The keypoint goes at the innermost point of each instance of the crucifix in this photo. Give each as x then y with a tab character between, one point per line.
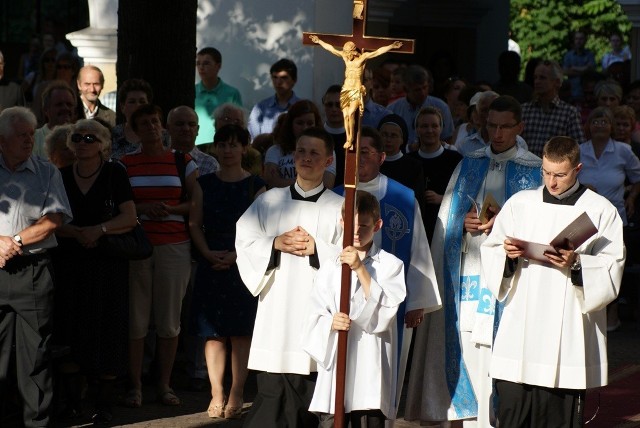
357	48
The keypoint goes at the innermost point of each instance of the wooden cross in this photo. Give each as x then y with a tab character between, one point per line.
364	43
358	34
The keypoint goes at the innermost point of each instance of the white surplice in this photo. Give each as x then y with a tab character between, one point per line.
422	288
284	291
553	333
372	348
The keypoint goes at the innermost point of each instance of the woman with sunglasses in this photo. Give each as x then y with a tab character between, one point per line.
606	164
92	288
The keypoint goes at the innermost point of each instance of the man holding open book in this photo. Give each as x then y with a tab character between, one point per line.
551	343
454	384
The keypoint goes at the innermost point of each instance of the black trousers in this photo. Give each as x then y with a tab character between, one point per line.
530	406
356	419
282	401
26	303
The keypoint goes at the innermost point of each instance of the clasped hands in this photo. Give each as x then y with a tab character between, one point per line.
297	241
155	210
9	248
221	259
87	236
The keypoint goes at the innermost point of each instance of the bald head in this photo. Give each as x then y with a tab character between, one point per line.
90	84
182	125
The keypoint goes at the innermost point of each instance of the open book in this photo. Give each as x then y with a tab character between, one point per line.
483	213
571	237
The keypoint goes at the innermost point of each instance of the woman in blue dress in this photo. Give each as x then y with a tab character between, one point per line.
223	309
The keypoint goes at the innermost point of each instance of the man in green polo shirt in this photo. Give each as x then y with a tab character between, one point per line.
211	91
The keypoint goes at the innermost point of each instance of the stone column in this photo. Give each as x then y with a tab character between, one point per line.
632	9
98	43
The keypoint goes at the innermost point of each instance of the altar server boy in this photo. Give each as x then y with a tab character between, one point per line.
377	289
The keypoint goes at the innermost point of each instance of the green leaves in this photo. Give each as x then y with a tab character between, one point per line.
544	28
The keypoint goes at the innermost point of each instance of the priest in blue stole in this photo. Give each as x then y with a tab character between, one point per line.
404	236
449	375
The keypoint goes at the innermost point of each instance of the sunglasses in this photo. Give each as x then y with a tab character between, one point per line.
87	138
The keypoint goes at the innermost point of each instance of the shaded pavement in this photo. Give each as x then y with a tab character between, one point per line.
624	349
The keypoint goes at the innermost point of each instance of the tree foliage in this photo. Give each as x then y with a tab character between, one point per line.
543	28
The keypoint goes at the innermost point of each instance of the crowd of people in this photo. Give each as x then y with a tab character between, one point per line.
244	216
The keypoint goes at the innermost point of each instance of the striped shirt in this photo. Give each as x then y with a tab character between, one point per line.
156	179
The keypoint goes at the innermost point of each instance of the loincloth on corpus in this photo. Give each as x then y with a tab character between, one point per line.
349	96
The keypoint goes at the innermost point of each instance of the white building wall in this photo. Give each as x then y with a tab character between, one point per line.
252	35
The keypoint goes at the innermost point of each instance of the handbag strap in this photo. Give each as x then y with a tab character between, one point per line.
110	186
181	166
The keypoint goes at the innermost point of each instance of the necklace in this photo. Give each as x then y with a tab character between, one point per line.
90	175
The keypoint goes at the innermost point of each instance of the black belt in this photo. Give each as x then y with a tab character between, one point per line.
18	263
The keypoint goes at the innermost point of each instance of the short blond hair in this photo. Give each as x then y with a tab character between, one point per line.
560	149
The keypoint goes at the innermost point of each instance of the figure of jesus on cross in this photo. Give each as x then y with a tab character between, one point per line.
353	91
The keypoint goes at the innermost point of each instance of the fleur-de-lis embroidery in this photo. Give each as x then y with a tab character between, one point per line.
523	182
468	287
486	305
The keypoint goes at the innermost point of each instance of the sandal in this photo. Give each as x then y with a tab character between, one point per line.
133	399
168	397
216	410
232	412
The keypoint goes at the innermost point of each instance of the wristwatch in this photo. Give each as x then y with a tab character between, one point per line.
18	239
576	264
103	227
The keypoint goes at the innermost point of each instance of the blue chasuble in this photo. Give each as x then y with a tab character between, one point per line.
519	175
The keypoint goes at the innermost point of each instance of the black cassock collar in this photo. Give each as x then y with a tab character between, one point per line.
569	200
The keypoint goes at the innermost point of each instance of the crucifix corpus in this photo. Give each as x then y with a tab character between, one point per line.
357	48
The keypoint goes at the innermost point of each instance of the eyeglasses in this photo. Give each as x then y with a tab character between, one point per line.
368	153
87	138
505	127
330	104
228	119
600	122
554	175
